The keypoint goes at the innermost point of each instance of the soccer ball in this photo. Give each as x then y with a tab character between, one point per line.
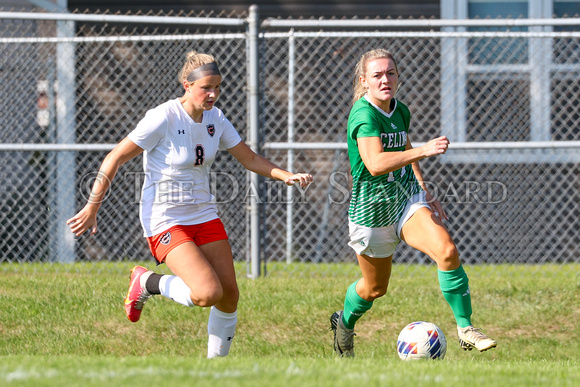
421	340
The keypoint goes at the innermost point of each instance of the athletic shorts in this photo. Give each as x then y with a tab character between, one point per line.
381	242
200	234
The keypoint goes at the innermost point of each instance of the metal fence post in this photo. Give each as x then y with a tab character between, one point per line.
65	161
289	207
540	59
253	137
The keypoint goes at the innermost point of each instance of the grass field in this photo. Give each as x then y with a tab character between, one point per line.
65	325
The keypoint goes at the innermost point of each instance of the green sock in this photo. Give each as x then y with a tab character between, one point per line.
354	307
455	287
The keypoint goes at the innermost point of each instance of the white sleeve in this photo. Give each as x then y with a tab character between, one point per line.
230	136
150	130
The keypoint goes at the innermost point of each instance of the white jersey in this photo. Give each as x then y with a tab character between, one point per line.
177	158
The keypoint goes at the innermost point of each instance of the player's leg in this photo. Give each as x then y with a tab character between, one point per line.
376	273
195	281
199	272
222	320
219	256
374	248
359	299
425	232
360	295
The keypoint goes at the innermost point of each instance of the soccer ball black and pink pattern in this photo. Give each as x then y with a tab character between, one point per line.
421	340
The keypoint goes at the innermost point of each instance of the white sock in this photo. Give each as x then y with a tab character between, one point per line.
221	328
173	287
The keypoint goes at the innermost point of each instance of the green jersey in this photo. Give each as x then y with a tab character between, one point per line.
379	201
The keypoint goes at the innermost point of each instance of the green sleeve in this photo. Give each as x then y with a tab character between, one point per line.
364	125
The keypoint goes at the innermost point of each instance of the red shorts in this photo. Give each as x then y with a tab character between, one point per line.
200	234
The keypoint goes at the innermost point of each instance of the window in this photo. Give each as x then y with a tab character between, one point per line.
501	88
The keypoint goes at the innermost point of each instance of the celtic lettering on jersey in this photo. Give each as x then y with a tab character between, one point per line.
394	140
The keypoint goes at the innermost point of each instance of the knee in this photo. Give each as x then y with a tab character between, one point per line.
208	296
447	256
378	292
375	291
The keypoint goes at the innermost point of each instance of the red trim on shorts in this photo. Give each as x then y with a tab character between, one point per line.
200	234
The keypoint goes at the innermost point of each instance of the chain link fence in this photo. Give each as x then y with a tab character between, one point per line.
509	102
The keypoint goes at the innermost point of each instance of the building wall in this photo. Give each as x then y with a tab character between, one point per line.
284	9
15	6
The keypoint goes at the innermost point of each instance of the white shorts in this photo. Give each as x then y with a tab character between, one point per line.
381	242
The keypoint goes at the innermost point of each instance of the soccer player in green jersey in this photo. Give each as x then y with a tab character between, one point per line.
390	203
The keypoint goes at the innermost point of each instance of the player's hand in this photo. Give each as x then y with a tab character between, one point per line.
436	146
302	178
84	220
436	207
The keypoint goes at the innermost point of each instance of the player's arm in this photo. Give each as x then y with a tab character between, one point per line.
379	162
262	166
87	217
433	202
416	168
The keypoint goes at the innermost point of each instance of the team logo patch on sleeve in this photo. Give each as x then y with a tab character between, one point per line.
210	129
166	238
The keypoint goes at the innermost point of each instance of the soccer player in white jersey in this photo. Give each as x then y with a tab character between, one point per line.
179	140
390	202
